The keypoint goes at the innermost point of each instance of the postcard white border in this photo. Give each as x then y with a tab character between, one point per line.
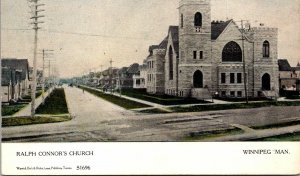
154	158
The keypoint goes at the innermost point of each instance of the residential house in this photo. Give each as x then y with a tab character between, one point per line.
140	78
289	77
14	79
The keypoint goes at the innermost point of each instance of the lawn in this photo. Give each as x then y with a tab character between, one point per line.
200	108
125	103
212	134
279	125
160	99
20	121
242	99
8	110
55	103
284	137
154	111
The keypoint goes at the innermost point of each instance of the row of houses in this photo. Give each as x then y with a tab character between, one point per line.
115	78
16	79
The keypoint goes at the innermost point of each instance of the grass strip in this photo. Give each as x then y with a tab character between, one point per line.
125	103
200	108
279	125
8	110
154	111
212	134
21	121
285	137
160	99
55	103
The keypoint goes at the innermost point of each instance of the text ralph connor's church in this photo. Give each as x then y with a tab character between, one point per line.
201	57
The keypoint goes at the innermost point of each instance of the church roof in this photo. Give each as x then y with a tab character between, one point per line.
284	65
173	30
217	27
163	44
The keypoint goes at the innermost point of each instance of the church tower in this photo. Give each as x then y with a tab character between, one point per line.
194	47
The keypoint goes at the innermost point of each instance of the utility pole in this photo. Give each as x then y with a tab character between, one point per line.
111	74
244	61
36	22
43	74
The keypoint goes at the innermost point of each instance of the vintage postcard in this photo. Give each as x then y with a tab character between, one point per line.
150	87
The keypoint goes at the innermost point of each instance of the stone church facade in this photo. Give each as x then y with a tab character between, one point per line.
200	58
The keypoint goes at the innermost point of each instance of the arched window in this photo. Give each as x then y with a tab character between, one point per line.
181	20
198	19
266	82
266	49
171	63
198	79
232	53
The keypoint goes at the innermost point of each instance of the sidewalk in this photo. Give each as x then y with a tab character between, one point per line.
155	105
166	107
27	110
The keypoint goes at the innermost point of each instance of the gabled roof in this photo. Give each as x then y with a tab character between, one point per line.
163	44
217	28
174	31
123	70
284	65
17	64
134	68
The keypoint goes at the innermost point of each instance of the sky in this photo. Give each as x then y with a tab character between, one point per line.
86	34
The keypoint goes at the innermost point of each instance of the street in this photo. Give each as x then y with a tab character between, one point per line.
97	120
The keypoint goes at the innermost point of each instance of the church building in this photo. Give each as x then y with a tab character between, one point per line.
201	58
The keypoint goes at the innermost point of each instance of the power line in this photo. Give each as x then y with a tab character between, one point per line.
80	34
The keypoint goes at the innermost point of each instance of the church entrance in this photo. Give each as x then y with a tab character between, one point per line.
198	79
266	82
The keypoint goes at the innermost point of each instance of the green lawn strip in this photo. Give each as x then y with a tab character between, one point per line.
21	121
229	99
160	99
55	103
195	136
293	98
278	125
154	111
285	137
125	103
200	108
8	110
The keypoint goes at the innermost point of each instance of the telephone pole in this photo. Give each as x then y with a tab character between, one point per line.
45	54
36	22
111	74
244	60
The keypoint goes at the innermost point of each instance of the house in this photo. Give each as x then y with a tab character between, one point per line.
140	78
15	79
289	77
108	78
125	76
200	58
